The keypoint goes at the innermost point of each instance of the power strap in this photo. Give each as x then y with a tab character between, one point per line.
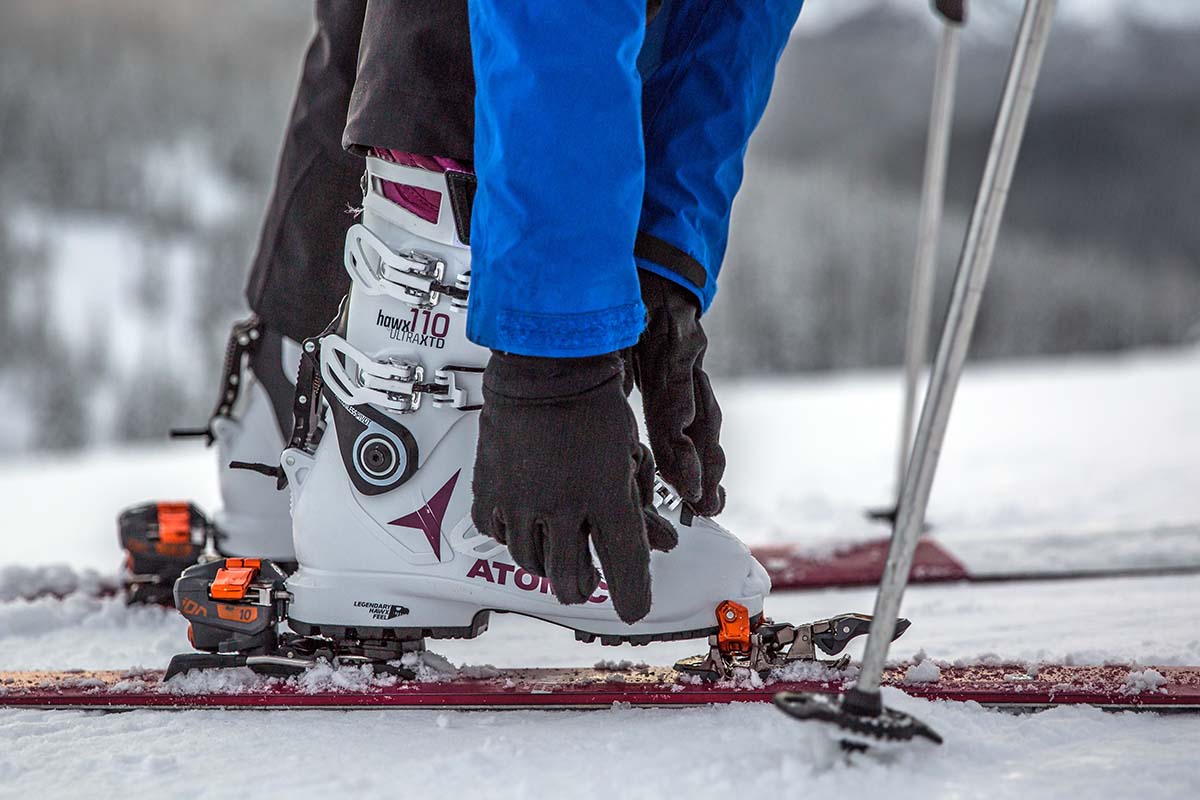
461	186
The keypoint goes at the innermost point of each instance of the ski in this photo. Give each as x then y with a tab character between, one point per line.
1010	687
1044	555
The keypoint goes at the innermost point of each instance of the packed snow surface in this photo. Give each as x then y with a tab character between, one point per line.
1145	680
924	671
1050	454
60	580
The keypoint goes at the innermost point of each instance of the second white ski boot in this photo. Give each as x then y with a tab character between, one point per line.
249	425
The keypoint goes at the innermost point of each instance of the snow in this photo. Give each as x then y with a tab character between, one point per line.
1145	680
128	334
1087	462
322	677
1054	455
127	306
56	579
736	751
924	671
185	177
97	484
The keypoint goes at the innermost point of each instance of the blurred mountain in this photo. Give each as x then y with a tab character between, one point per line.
1099	248
1111	150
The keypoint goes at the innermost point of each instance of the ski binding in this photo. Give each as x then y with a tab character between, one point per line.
235	607
761	646
160	540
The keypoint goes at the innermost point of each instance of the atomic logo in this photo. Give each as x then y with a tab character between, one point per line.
428	518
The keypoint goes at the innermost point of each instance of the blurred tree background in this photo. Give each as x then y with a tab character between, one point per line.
138	142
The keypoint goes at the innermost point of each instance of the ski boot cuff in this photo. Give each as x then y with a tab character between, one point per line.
422	202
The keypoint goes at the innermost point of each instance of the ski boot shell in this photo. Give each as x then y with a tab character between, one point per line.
381	508
416	549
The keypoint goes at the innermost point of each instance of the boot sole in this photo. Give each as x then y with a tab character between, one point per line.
479	624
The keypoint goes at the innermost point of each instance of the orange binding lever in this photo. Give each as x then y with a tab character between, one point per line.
174	523
733	632
234	578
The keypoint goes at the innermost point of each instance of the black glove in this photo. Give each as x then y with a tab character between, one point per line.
558	464
682	415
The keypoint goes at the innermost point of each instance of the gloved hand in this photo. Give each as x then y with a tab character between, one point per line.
558	465
682	415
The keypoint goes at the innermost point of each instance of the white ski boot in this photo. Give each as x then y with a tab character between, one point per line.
249	425
381	506
381	510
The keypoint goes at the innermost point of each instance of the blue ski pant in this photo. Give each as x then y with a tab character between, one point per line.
601	144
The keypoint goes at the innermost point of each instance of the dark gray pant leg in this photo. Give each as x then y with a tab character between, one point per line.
383	73
297	278
415	90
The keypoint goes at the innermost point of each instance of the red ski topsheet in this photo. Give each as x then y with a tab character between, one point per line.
856	565
1012	687
1158	551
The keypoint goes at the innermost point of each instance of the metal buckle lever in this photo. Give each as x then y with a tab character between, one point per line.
458	387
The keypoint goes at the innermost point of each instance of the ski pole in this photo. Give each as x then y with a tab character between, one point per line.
920	301
969	281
